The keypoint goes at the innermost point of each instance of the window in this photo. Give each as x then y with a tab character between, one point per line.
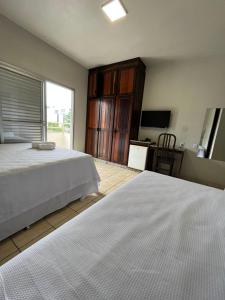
59	111
23	113
21	108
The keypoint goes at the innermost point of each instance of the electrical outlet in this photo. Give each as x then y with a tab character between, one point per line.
182	145
195	146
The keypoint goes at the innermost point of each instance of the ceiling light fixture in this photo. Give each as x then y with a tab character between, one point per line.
114	10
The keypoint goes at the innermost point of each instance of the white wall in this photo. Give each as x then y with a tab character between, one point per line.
188	88
22	49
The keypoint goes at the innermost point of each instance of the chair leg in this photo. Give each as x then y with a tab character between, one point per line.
171	169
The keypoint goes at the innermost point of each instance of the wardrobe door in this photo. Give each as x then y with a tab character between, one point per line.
126	80
92	127
109	81
93	84
121	131
105	128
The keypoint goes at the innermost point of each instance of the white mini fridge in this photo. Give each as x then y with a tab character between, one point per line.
137	157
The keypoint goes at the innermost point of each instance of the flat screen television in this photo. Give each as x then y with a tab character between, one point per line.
155	118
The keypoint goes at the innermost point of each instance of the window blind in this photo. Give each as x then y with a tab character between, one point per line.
21	108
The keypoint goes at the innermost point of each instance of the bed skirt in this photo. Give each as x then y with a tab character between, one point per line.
34	214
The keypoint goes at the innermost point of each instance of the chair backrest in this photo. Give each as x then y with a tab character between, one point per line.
166	146
166	141
165	153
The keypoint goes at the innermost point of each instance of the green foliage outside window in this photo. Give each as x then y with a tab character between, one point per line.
57	127
67	119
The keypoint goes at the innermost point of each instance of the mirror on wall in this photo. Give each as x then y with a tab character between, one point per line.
212	141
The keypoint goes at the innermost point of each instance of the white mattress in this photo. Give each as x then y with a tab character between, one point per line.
19	157
154	238
34	183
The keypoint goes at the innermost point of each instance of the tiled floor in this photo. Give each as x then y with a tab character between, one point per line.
112	176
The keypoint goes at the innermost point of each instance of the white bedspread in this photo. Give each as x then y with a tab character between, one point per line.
34	183
17	157
155	238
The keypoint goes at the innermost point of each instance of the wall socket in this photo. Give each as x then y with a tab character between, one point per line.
195	146
182	145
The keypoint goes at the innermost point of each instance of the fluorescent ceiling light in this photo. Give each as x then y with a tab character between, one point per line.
114	10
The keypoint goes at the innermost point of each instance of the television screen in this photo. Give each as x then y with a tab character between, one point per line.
153	118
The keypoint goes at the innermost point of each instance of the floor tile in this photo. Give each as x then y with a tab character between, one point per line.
57	217
85	207
90	198
75	213
7	247
99	198
36	239
79	204
2	262
26	235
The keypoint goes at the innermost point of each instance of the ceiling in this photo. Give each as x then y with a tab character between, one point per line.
153	29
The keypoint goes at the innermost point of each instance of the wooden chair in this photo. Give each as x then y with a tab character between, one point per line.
164	154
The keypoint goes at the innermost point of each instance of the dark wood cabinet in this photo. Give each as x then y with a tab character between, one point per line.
126	80
105	128
93	109
93	84
114	107
108	83
121	132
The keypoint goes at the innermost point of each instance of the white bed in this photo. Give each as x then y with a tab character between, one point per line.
34	183
156	237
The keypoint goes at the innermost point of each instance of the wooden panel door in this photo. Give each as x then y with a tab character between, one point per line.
126	80
93	84
109	81
92	126
121	131
106	128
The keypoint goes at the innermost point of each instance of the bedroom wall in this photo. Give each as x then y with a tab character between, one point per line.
188	88
20	48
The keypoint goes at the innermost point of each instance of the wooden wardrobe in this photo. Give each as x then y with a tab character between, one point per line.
114	108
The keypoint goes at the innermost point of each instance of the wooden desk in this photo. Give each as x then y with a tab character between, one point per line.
152	147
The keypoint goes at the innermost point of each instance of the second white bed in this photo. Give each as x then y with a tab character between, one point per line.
154	238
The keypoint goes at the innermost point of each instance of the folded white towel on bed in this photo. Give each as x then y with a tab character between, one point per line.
43	145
